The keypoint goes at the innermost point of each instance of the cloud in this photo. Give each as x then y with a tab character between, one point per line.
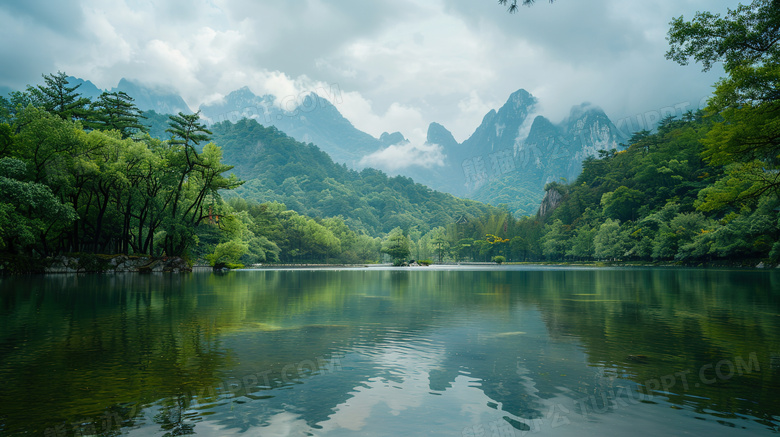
399	64
405	155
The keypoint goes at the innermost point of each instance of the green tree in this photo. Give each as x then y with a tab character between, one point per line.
610	241
396	245
582	246
56	97
746	141
622	204
555	242
745	36
116	111
228	254
29	211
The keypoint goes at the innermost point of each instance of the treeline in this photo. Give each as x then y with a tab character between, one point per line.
78	176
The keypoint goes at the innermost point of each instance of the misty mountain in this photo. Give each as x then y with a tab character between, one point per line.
153	99
510	157
438	134
276	167
389	139
86	88
308	119
146	98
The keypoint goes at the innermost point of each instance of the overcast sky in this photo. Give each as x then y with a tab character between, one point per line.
399	64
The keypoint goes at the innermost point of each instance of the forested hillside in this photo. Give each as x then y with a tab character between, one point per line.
305	179
82	176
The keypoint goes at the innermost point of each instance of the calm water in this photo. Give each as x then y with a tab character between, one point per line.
388	352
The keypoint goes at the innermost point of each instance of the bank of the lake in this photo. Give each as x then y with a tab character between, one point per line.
92	263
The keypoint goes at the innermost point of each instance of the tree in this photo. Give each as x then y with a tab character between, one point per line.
609	242
556	240
187	130
622	204
56	97
116	111
747	35
228	254
28	210
512	8
396	245
747	140
198	177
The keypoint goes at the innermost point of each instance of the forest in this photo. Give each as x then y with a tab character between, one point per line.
103	177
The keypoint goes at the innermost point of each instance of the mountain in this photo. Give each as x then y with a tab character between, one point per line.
390	139
146	98
438	134
510	157
310	119
507	160
549	153
86	88
276	167
153	99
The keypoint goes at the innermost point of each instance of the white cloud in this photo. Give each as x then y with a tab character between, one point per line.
404	155
399	64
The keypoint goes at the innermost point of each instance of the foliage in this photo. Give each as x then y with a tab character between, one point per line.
747	140
116	111
499	259
56	97
396	245
746	35
67	189
229	252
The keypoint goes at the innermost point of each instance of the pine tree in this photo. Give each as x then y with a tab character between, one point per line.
58	98
116	111
187	130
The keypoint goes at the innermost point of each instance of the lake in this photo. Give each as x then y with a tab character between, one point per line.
437	351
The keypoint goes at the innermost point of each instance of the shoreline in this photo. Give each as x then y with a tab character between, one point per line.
92	263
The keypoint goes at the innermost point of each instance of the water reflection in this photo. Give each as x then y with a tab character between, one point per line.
382	352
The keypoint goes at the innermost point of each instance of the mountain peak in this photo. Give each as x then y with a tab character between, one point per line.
86	87
157	99
438	134
583	110
389	139
519	100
